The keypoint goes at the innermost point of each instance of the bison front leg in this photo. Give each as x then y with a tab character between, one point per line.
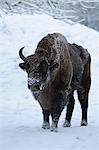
55	118
46	124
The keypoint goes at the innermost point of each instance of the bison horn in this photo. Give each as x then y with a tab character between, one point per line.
21	55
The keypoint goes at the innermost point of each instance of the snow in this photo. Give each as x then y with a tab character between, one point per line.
20	114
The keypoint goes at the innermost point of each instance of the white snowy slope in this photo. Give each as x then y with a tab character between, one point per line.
20	114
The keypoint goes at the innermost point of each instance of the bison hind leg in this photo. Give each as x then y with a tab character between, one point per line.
84	123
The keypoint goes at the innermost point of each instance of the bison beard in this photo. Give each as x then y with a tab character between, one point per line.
55	71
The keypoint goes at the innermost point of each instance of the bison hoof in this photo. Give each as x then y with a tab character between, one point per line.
46	125
53	129
66	124
84	123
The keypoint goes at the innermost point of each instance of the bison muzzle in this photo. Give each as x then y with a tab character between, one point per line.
55	71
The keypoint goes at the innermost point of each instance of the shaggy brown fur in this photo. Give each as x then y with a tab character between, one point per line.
55	71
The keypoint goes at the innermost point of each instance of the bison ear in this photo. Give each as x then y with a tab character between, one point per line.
22	66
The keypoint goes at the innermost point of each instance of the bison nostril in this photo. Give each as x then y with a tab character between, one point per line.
37	84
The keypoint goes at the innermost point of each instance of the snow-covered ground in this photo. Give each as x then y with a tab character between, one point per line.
20	114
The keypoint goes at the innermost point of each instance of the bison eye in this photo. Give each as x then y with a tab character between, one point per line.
28	65
43	67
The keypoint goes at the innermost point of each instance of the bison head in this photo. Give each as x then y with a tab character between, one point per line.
36	67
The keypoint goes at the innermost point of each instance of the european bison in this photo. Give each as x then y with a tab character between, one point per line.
55	71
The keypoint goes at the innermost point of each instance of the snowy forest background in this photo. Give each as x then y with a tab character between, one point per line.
82	11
